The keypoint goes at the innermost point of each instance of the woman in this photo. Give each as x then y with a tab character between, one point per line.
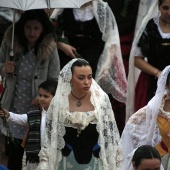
84	34
146	157
35	60
150	125
150	54
81	132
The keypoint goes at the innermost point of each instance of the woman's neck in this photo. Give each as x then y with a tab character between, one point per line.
31	46
78	94
164	23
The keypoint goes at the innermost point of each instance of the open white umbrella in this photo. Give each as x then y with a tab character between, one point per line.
35	4
24	5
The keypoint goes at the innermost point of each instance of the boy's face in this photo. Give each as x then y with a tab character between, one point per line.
45	98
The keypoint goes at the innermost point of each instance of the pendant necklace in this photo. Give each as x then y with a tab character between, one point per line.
79	99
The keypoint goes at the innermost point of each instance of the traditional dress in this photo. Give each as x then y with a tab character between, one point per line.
96	39
149	125
89	136
147	40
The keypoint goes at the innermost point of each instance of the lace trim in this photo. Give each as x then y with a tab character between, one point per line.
80	120
162	112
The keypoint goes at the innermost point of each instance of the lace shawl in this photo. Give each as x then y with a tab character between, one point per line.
109	139
142	127
134	72
110	73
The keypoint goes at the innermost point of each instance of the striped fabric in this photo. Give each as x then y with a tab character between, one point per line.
33	143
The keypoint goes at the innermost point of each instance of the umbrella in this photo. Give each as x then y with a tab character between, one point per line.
24	5
35	4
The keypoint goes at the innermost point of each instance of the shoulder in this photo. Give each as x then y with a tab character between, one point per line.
8	40
138	117
151	25
47	46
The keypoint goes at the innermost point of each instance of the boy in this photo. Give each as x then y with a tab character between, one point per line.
35	120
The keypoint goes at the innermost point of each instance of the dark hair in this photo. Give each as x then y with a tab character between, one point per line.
79	62
35	14
160	2
168	79
145	152
49	85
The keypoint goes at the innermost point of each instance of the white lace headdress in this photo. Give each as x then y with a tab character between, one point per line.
109	139
134	72
141	128
110	73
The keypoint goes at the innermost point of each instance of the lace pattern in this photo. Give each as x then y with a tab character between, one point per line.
109	139
142	127
80	120
162	112
134	72
110	74
135	134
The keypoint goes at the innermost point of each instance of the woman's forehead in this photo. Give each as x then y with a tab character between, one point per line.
82	70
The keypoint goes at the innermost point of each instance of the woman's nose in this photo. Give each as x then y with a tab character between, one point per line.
86	81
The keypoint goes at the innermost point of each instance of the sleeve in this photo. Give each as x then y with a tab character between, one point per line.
144	42
54	66
138	52
21	119
3	53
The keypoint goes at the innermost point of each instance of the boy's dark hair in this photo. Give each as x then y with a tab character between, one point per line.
145	152
49	85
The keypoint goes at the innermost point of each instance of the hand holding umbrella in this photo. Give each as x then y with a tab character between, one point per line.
9	67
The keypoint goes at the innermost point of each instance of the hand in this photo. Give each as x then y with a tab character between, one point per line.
67	49
35	100
4	113
9	67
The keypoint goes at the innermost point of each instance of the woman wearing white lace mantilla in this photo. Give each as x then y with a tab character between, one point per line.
150	54
81	132
91	33
150	125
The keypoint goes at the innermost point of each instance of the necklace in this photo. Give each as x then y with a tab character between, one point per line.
79	99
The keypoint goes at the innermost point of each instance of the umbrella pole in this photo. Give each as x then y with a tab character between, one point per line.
48	6
12	43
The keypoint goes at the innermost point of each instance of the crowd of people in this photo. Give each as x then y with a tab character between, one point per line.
67	83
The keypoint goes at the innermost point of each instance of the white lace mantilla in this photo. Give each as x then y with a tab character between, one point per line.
80	120
109	139
142	127
110	73
162	112
135	135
